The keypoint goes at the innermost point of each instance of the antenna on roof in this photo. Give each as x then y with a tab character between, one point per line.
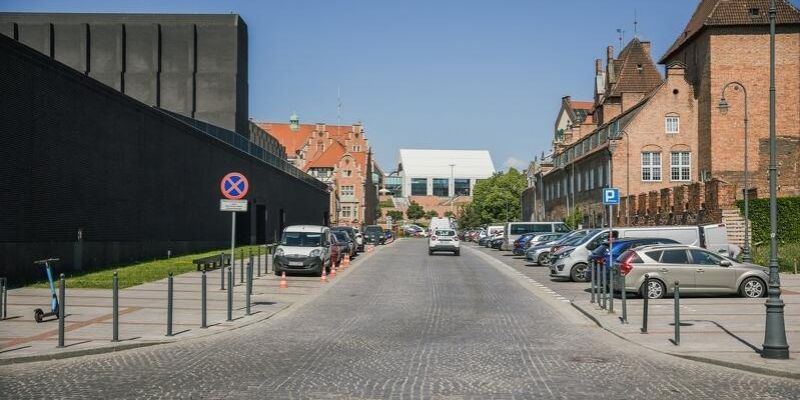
621	33
635	24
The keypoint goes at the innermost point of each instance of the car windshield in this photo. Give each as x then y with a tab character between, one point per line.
301	239
341	236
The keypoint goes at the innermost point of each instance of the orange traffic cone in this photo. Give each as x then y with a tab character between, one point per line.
346	260
323	278
333	270
284	283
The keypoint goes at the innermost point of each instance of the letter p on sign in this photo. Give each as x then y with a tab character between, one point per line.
610	196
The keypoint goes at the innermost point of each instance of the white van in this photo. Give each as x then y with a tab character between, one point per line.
303	248
441	223
513	230
572	262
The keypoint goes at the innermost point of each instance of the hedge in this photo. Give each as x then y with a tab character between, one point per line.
788	219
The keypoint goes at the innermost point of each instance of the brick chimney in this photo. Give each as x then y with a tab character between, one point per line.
598	67
610	64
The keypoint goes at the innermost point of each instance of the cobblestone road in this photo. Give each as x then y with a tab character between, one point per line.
402	325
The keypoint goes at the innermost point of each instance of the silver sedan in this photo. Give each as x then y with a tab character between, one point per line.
699	271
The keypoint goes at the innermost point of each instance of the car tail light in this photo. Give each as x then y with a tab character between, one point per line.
626	266
555	249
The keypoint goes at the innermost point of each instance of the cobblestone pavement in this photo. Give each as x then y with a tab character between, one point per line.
404	325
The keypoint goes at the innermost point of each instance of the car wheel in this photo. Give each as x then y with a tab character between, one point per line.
457	252
752	288
544	259
578	273
430	252
655	289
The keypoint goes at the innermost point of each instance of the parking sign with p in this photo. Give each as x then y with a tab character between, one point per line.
610	196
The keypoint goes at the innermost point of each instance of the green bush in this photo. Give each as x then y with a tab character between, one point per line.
788	219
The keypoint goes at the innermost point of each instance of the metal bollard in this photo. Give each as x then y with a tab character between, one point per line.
2	294
203	299
115	307
169	305
603	285
233	266
250	264
241	267
61	309
248	288
646	302
5	298
258	260
677	340
624	317
611	278
230	294
594	279
221	271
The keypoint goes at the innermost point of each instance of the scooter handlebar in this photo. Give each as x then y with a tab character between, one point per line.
46	261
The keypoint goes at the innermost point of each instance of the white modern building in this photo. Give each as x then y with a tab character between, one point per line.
443	173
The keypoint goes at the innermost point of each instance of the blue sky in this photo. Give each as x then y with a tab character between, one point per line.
422	73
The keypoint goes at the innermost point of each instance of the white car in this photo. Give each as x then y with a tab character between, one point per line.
444	240
303	248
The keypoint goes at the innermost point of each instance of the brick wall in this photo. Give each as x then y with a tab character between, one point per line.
680	205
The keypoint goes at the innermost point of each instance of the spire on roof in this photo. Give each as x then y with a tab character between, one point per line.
294	122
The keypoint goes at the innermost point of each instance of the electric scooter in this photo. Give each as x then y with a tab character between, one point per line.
38	314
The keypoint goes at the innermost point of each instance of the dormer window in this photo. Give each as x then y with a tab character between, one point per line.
754	11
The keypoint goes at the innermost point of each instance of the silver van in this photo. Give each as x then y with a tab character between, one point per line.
513	230
572	263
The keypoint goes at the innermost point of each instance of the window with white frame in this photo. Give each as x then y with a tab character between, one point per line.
672	124
651	166
348	190
681	166
348	172
346	212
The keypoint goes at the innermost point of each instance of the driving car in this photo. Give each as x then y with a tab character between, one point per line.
444	240
373	234
303	248
698	270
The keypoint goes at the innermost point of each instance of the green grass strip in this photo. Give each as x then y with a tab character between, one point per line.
139	273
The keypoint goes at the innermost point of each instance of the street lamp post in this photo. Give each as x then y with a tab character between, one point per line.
453	194
775	344
723	107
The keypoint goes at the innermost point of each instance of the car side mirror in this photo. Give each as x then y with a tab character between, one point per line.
725	263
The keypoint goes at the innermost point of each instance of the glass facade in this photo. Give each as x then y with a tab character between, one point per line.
441	187
419	186
461	187
394	184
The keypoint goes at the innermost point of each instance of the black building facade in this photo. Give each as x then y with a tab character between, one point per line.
194	65
96	177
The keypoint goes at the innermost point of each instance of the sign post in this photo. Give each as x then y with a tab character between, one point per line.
611	198
234	187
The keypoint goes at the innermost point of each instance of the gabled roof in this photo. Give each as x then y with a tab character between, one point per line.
634	70
293	141
329	158
732	12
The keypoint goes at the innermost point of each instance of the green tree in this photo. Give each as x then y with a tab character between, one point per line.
415	211
396	215
497	198
574	218
449	214
431	214
469	217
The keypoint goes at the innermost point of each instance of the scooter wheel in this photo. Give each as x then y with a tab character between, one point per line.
38	314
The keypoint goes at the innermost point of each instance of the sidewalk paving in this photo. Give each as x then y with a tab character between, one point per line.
143	313
726	331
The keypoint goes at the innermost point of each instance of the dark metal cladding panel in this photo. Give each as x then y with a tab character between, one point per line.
106	54
76	155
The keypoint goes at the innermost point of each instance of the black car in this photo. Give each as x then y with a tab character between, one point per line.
353	233
348	243
373	234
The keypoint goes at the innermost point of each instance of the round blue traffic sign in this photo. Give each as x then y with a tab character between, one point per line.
234	186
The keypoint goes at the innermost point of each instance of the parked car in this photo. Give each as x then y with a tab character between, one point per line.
444	240
493	238
412	230
303	248
698	270
373	234
512	230
520	244
573	264
346	242
337	251
541	254
483	239
358	240
601	255
497	242
388	236
543	238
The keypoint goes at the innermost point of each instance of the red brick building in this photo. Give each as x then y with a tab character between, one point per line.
336	155
726	41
